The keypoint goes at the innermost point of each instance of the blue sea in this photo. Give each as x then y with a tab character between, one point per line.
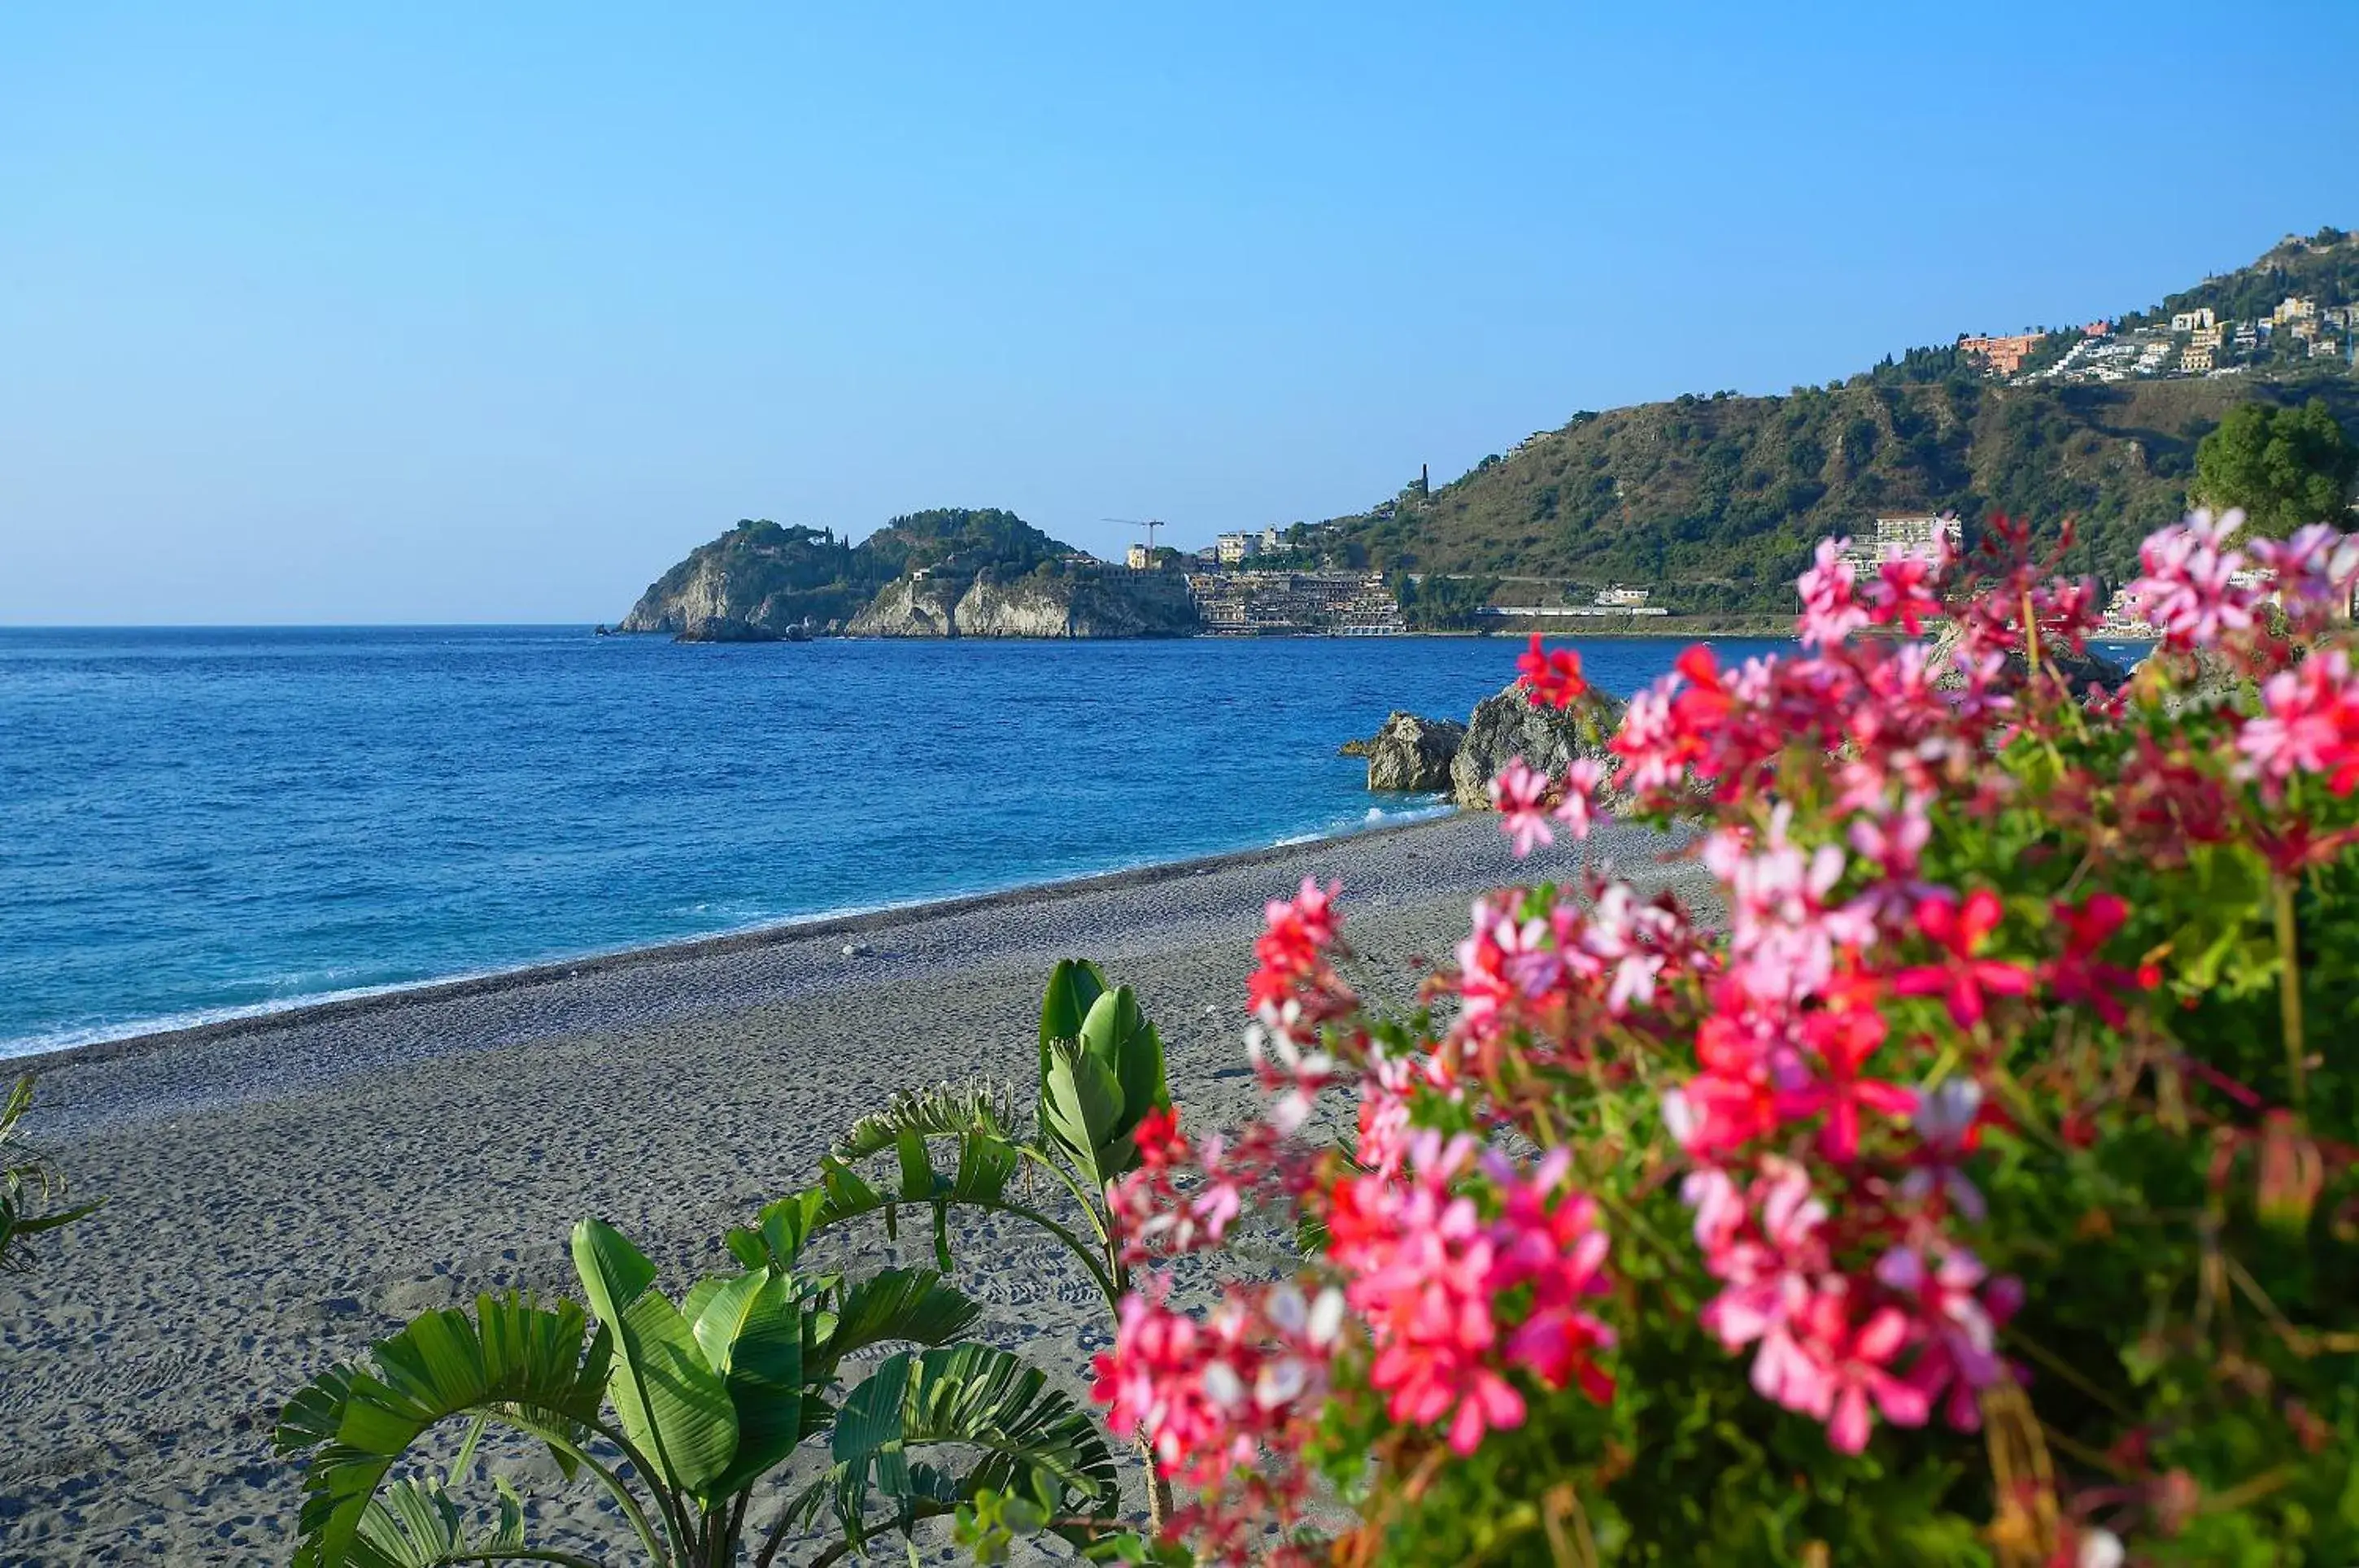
198	823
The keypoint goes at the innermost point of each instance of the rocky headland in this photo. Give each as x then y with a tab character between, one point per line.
955	572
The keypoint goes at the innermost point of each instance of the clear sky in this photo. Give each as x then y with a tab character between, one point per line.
467	312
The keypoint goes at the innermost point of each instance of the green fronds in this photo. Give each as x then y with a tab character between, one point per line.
970	1397
537	1367
27	1184
946	1111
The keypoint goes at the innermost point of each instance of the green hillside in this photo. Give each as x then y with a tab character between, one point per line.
1715	502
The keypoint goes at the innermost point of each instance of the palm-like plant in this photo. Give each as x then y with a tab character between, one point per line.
27	1184
1101	1072
702	1402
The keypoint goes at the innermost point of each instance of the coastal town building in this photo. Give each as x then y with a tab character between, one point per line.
2204	337
2198	321
1296	604
2195	361
1139	559
1623	598
2006	355
1920	537
2295	310
1232	549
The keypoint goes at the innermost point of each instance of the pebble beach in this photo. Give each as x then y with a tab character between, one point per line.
282	1191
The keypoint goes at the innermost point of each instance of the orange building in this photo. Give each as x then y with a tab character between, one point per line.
2004	355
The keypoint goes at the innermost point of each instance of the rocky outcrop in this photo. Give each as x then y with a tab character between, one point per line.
1413	753
1506	725
726	629
774	580
1081	604
913	607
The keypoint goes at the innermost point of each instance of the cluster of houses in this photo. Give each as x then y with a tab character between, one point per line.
2194	342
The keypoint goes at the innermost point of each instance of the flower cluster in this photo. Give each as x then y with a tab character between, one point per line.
1929	1095
1428	1272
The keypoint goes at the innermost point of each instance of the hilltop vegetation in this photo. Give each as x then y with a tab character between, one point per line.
1717	500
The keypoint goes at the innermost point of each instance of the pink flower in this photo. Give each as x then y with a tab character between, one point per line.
1840	1371
1519	794
1578	810
1903	592
1829	612
1427	1275
2315	571
2309	724
2189	591
1960	1333
1552	676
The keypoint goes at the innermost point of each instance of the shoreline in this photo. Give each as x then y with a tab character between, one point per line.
297	1013
281	1192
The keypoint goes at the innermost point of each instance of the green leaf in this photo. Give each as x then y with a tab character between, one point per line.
908	1306
673	1404
868	1446
917	1167
1080	1107
750	1330
1033	1441
938	1112
1074	987
515	1359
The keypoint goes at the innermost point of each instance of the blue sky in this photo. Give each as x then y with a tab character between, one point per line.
453	312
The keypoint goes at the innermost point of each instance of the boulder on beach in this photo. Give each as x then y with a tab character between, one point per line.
1413	753
1506	725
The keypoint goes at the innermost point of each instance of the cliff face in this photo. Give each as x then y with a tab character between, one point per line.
1030	606
911	608
759	577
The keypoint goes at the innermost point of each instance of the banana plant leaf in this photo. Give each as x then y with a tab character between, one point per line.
515	1356
968	1397
675	1407
750	1330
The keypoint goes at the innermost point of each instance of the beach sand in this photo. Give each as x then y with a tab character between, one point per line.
281	1192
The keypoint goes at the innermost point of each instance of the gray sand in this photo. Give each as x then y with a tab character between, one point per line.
283	1192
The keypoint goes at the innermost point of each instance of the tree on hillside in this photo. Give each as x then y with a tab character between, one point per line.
2285	467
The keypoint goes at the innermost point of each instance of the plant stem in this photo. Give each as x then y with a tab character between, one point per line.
2289	993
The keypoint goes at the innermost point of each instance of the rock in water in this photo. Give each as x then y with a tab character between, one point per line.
1506	725
1413	753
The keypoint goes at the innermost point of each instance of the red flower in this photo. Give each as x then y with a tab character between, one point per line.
2079	976
1963	980
1844	1036
1551	676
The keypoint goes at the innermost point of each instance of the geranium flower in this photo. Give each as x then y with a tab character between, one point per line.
1551	676
2190	592
1964	980
1829	612
1902	593
1520	795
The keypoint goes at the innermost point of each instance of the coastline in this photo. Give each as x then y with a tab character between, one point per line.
283	1191
297	1011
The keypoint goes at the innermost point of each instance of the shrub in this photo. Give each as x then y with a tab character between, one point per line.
1976	1187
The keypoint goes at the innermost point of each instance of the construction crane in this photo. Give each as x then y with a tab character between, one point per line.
1150	525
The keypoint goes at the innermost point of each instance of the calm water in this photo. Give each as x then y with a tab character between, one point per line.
195	822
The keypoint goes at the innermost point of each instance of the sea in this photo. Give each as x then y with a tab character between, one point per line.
201	824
